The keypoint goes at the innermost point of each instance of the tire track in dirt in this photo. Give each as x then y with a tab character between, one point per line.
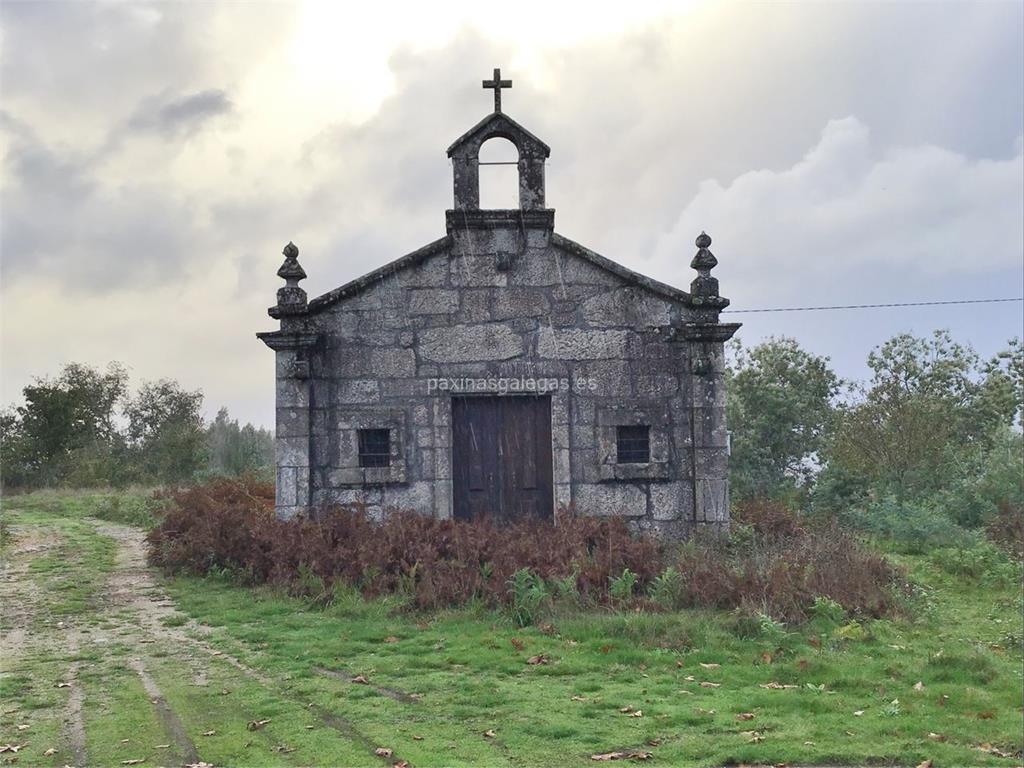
24	602
74	709
132	585
182	748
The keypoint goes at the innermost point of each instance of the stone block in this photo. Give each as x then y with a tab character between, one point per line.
464	343
433	301
292	393
629	307
354	391
608	499
581	344
292	422
291	451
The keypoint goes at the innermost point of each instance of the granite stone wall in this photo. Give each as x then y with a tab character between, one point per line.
508	301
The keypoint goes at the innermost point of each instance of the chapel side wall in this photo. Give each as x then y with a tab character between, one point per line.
547	314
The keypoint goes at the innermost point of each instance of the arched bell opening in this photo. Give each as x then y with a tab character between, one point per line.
498	163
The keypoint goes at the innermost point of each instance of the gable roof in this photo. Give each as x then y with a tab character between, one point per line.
628	276
500	124
625	273
354	287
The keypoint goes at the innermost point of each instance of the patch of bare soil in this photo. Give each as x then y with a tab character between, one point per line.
133	588
19	595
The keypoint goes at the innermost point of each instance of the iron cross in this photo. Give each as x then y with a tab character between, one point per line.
497	84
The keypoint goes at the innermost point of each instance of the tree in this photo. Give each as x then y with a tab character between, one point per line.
929	414
71	415
165	431
779	407
235	450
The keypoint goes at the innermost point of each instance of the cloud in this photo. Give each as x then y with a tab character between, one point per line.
173	118
848	209
158	156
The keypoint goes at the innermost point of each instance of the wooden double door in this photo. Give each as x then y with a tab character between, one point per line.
501	457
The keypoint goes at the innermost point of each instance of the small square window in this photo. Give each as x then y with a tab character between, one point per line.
633	444
374	447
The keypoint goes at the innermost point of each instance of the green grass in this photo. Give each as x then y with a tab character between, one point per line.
440	681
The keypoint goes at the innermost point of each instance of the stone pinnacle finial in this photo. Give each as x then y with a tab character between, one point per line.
704	261
291	299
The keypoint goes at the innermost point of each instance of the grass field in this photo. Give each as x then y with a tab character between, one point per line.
105	663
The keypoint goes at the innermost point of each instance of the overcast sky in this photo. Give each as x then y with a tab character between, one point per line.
157	156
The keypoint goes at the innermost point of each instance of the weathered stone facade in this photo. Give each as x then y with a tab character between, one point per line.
504	305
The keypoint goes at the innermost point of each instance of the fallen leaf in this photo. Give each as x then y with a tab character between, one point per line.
255	725
634	754
383	752
390	639
517	643
679	664
926	764
489	734
706	684
858	713
638	713
745	716
360	680
690	678
702	711
918	686
936	737
626	709
310	727
774	686
417	738
62	685
577	698
136	761
755	737
986	747
538	659
124	741
986	715
50	751
24	727
162	746
209	733
943	699
808	743
401	764
710	666
283	749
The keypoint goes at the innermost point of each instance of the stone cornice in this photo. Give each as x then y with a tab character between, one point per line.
512	218
707	331
285	340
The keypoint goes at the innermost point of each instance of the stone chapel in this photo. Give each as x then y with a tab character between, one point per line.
504	370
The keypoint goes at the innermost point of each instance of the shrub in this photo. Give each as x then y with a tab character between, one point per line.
778	568
983	562
528	595
229	525
621	587
1006	529
666	590
913	528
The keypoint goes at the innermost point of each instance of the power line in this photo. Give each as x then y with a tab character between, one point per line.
872	306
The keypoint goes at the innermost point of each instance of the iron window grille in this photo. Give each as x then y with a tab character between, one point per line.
374	447
633	444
